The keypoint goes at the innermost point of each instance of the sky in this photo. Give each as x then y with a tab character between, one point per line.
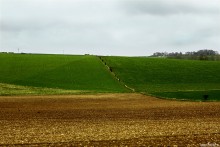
109	27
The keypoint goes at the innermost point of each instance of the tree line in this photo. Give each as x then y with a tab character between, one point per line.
204	54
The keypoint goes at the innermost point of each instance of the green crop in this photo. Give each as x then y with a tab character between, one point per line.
68	74
85	73
168	77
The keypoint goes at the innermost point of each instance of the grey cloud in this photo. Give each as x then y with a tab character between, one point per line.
167	7
103	27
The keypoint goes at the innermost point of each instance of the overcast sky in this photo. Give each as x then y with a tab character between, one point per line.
109	27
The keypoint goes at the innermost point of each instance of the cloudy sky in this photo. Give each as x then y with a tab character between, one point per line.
109	27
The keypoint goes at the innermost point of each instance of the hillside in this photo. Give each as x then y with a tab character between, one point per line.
85	73
183	79
68	74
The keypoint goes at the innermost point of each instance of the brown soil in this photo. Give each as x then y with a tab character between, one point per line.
107	120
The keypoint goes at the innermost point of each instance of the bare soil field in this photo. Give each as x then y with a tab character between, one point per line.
107	120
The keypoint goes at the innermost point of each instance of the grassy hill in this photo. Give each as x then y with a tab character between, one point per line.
182	79
48	72
67	74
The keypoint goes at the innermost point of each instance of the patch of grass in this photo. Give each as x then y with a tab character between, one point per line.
83	73
158	75
9	89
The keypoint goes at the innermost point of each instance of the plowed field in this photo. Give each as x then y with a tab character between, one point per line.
107	120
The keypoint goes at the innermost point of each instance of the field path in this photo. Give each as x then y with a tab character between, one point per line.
115	76
107	120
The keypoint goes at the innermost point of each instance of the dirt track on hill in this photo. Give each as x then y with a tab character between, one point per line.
107	120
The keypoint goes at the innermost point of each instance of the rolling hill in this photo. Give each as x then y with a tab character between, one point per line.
65	72
73	74
172	78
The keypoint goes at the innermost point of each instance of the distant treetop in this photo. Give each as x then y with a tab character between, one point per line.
205	54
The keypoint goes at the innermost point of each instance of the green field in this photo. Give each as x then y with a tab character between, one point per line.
72	74
169	78
54	74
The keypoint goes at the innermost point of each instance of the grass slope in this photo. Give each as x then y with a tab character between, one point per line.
84	73
183	79
10	89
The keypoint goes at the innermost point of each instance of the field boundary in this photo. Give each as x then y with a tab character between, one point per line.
115	76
